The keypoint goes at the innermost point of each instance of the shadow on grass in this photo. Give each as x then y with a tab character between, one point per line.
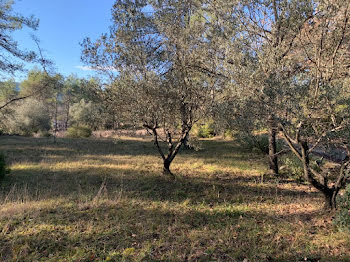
155	234
206	216
38	149
146	184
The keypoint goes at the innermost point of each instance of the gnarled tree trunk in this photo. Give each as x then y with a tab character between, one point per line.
173	147
315	178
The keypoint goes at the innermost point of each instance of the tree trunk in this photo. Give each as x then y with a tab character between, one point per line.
329	200
334	199
316	179
166	168
273	159
328	193
67	117
186	144
55	119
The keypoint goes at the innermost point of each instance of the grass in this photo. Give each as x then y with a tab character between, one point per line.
106	200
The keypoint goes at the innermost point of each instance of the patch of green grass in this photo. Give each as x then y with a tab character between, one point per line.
106	200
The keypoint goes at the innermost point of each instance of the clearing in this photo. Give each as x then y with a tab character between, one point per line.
106	200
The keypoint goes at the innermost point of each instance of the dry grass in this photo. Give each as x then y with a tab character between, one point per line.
105	200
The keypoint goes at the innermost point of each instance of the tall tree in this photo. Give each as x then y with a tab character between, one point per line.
71	90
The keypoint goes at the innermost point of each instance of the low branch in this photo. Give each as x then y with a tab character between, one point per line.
14	100
290	142
155	136
324	134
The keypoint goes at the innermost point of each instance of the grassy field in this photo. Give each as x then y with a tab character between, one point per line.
106	200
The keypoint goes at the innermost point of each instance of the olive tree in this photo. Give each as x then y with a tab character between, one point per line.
152	45
320	121
256	43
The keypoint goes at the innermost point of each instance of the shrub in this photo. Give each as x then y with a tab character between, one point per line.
206	130
253	142
3	167
79	132
194	143
292	166
342	218
30	117
258	143
229	134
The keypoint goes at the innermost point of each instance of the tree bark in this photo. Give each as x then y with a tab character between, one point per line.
329	200
166	169
173	147
273	158
186	144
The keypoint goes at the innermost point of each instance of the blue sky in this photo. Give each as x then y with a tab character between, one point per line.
63	25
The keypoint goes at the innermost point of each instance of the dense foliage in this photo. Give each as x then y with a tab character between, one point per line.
29	117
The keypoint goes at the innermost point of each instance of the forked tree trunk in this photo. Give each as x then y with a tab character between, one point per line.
315	178
329	194
173	148
273	158
166	168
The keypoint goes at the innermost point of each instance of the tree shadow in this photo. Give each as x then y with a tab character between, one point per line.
146	184
38	149
161	234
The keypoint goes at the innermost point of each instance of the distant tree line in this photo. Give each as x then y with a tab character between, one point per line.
62	102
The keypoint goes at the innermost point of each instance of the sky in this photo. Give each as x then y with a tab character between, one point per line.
63	25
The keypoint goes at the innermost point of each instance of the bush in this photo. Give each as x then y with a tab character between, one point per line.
206	130
342	218
229	134
253	142
292	166
3	167
194	143
79	132
258	143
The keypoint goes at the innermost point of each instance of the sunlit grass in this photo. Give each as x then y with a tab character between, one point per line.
106	200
